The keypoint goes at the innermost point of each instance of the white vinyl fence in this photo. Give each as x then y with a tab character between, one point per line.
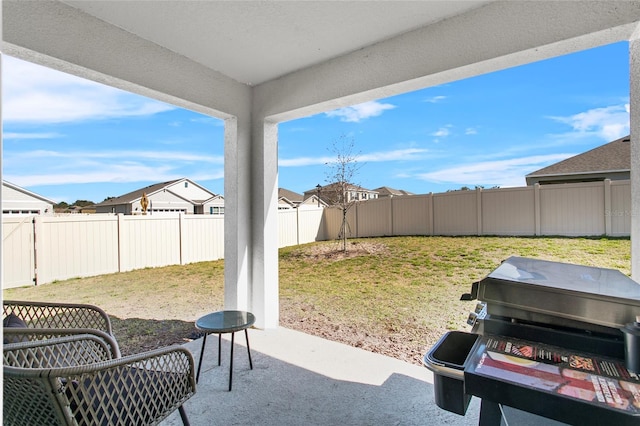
580	209
42	249
18	256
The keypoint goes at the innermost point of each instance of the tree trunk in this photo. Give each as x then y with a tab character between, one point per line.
344	229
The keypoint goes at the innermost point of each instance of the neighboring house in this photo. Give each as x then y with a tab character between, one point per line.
312	202
288	200
80	209
181	196
386	192
332	194
609	161
214	206
90	209
19	201
285	204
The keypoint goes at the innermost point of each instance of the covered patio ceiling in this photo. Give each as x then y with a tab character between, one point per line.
257	63
348	45
256	41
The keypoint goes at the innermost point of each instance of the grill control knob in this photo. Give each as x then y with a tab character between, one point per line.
478	314
473	317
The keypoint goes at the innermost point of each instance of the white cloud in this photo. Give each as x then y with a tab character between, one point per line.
50	167
374	157
397	155
471	131
208	120
15	136
219	174
435	99
503	173
304	161
36	94
113	174
608	123
118	155
442	132
359	112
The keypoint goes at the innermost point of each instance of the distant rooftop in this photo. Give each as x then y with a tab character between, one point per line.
290	195
134	195
614	155
385	191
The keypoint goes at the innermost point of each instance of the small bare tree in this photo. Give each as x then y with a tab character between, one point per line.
340	178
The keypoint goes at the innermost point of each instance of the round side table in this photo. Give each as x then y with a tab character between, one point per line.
225	322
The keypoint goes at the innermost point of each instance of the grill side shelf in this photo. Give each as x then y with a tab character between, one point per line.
552	382
573	339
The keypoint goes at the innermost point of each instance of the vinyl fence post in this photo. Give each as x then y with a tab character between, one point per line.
536	208
120	239
607	207
391	227
38	250
355	216
181	235
432	215
297	226
479	210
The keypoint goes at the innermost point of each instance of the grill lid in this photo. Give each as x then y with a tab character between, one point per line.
601	282
560	294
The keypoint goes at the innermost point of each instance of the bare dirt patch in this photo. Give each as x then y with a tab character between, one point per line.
333	251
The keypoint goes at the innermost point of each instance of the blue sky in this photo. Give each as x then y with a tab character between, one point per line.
66	138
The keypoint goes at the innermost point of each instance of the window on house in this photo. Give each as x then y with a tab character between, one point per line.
216	210
20	212
186	184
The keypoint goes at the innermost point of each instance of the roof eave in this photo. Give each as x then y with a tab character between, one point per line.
578	173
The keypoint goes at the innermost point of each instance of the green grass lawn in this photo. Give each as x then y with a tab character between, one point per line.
394	295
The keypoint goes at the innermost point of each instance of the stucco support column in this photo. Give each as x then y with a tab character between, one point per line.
237	217
264	193
634	85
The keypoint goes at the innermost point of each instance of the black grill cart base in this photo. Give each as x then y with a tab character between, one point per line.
546	340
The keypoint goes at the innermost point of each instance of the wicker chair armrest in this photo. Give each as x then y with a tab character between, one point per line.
45	335
173	359
136	389
140	389
58	315
66	351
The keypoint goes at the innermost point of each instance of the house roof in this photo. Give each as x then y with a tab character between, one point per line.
294	197
134	195
26	191
313	200
335	187
613	156
152	189
385	190
215	197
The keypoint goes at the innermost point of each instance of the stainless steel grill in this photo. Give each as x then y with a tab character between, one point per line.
547	338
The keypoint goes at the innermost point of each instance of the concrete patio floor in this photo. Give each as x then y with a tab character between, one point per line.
299	379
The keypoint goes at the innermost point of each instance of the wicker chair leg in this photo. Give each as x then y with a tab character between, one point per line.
183	416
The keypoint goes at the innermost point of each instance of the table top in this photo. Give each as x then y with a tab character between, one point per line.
225	321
